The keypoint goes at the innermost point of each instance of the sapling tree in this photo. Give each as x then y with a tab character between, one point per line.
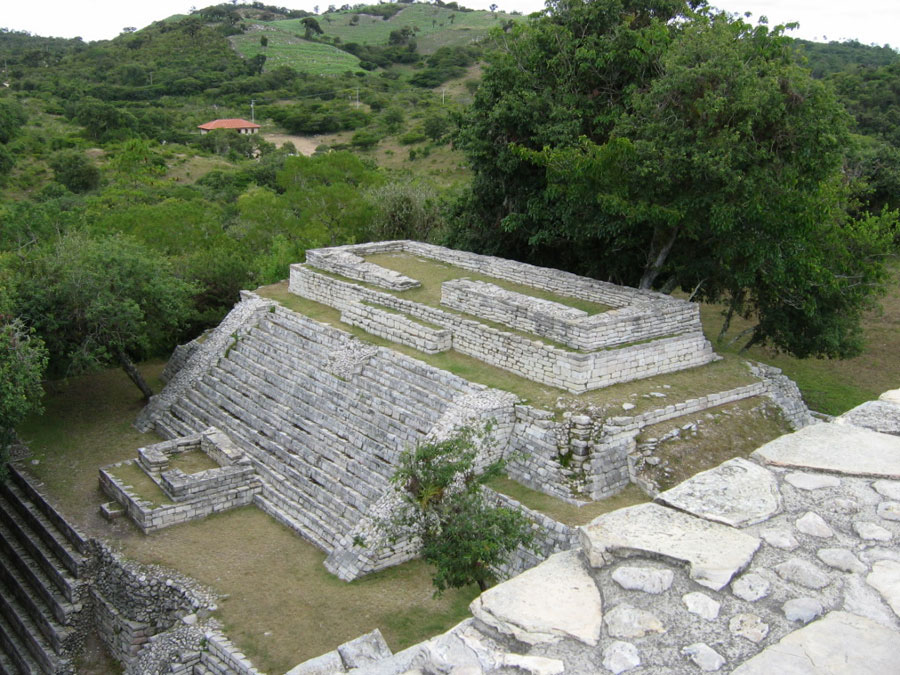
463	535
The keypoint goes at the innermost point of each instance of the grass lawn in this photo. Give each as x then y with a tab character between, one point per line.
564	512
282	607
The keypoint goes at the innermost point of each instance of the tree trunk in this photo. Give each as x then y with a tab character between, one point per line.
659	259
133	373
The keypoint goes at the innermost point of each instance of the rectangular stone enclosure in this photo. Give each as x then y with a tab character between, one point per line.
644	334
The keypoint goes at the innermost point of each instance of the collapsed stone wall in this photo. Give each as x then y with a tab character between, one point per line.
572	371
133	602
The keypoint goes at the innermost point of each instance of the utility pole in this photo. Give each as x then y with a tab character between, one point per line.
443	94
252	110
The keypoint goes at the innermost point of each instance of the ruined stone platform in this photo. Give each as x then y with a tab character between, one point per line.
786	563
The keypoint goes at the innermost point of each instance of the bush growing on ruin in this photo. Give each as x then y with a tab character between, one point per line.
463	536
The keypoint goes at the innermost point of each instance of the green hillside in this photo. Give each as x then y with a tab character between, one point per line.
433	26
287	49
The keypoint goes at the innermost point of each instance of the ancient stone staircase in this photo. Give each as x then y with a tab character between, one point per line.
41	565
323	416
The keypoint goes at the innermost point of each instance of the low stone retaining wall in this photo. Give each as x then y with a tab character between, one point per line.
567	325
573	371
339	261
151	517
397	328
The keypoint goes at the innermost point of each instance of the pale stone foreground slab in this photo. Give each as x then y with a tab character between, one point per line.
840	643
885	578
882	416
736	493
714	552
835	448
555	600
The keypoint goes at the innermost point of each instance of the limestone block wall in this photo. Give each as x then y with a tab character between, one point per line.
220	493
573	371
567	325
550	536
397	328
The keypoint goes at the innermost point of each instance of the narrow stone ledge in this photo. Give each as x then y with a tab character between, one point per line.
714	552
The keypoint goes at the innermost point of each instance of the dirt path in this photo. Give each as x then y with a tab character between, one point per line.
305	145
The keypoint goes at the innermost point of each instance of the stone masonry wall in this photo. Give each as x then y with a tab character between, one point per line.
397	328
573	371
550	536
564	324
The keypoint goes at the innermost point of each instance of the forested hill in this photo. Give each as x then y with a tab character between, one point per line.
422	128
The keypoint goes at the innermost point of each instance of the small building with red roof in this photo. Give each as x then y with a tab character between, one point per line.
239	125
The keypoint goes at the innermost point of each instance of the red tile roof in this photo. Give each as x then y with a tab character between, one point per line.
229	124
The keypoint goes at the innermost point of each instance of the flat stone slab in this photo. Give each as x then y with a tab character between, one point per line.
647	579
838	644
714	552
736	492
892	396
882	416
555	600
835	448
885	578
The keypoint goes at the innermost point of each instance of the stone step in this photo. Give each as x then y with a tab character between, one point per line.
36	550
339	444
338	451
14	657
73	537
341	412
20	626
264	456
54	633
18	571
394	374
41	526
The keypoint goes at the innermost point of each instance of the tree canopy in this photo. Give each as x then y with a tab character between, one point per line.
666	146
101	300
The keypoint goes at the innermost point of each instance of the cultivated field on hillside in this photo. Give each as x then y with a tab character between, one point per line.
287	49
431	24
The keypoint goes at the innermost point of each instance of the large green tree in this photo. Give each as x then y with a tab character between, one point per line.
102	300
676	148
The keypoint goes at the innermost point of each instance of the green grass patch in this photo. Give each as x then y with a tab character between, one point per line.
193	461
562	511
283	607
287	49
141	484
